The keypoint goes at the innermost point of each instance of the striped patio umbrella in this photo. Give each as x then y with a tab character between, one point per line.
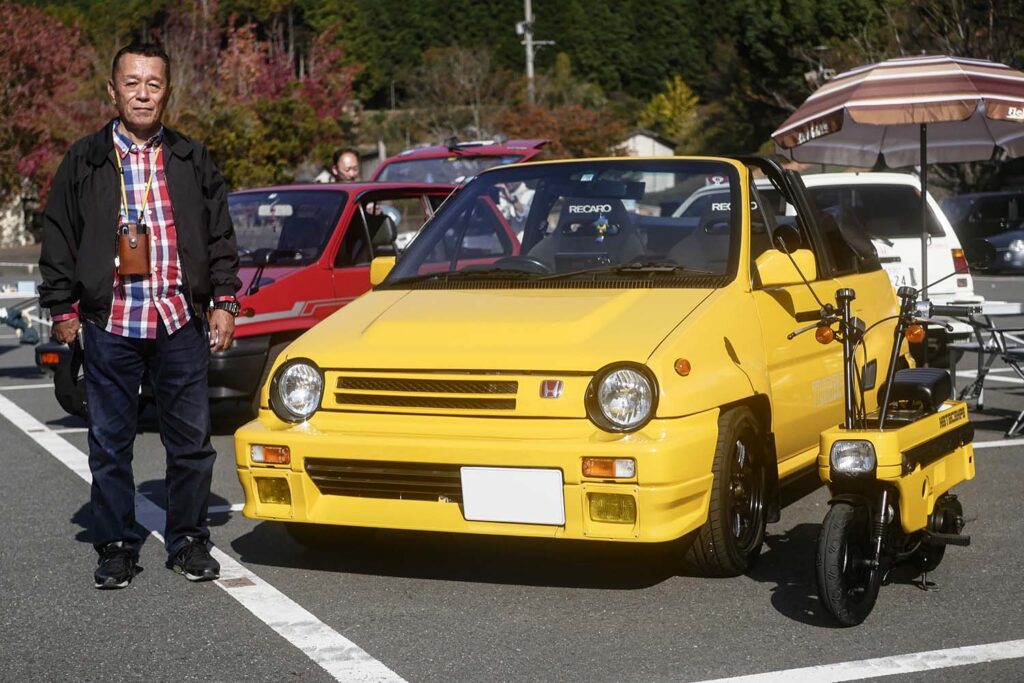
970	107
910	111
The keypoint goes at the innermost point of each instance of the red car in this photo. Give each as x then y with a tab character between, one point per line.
454	161
305	252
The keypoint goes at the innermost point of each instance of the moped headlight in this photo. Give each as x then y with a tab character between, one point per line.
852	457
622	397
296	390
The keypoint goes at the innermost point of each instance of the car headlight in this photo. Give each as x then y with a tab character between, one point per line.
1016	245
296	390
852	457
622	397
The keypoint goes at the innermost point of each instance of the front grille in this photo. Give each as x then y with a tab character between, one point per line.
440	402
380	479
436	394
436	386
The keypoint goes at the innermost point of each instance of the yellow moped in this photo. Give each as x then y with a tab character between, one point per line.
890	472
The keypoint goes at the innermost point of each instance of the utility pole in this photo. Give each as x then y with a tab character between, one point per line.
525	29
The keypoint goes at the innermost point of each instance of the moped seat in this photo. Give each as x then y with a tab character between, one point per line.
930	387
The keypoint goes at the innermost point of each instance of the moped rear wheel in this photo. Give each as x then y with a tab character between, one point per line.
846	587
946	518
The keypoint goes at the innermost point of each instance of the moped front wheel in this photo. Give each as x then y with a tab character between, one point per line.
847	587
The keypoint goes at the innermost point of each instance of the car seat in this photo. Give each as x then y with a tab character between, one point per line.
590	232
707	247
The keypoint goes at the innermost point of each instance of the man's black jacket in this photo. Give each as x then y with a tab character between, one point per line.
80	223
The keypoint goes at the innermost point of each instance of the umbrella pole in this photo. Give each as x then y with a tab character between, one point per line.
924	229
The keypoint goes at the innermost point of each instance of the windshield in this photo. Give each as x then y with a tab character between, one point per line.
295	225
449	170
616	219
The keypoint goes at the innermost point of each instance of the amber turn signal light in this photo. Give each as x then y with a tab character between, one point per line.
824	334
914	334
609	468
270	455
49	358
682	367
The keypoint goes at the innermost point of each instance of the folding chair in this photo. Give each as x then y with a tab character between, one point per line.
1013	358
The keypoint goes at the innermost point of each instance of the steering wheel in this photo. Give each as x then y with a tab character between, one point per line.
527	264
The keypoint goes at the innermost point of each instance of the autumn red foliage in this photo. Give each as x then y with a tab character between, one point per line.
574	130
44	68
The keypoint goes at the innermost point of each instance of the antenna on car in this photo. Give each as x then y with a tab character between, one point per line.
780	241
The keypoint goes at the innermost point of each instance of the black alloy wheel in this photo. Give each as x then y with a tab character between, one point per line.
730	540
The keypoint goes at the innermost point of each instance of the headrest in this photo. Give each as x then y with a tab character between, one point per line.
588	216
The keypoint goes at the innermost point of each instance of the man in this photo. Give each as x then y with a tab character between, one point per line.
143	180
344	168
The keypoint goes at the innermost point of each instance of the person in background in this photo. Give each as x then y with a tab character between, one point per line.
345	168
139	182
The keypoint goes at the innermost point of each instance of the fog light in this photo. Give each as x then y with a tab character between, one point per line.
270	455
274	490
614	508
609	468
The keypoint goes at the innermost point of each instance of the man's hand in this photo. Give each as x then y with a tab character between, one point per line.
66	330
222	329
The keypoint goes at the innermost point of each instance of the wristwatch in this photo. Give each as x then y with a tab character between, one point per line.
231	307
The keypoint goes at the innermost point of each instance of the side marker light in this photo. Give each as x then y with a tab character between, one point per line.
682	367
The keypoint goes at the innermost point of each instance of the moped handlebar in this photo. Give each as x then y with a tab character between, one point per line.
956	310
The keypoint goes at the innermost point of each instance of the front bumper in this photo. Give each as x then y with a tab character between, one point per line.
671	490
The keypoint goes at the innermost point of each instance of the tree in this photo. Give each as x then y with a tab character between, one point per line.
41	108
673	113
574	131
457	90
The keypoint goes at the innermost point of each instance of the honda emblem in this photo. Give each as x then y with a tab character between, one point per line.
551	388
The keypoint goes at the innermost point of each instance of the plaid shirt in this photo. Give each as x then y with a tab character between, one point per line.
139	299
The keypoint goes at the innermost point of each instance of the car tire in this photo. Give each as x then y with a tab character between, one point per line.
730	541
272	354
326	537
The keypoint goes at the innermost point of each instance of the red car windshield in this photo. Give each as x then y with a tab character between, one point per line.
450	170
294	224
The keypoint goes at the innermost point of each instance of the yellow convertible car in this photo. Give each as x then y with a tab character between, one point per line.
591	349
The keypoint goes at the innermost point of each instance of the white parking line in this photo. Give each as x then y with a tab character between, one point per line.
221	509
18	387
888	666
339	656
1019	441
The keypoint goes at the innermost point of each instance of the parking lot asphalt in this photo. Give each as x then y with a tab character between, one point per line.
461	608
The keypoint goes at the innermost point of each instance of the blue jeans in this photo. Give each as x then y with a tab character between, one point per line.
177	366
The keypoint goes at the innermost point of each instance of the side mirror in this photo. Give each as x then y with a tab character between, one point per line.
787	238
774	269
379	269
265	257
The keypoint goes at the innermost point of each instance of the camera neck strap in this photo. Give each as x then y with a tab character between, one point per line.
149	185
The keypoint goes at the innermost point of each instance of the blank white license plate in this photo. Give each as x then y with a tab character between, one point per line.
513	494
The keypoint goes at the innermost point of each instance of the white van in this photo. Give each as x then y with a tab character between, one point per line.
886	206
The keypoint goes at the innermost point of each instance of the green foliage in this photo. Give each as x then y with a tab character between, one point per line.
673	113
